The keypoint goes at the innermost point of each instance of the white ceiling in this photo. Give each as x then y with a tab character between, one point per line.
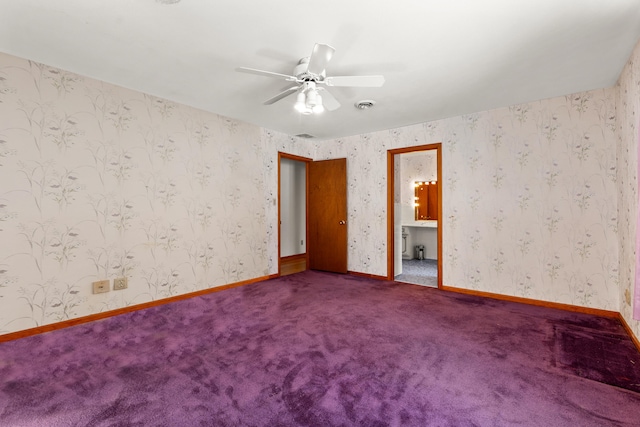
439	58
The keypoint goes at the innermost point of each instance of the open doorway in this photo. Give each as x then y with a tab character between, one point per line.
292	214
415	215
312	214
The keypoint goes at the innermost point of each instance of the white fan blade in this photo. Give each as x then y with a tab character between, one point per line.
265	73
355	81
329	102
281	95
320	57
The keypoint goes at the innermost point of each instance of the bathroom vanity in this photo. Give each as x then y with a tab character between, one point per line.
420	222
420	233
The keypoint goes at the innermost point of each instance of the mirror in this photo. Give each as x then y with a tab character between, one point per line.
426	200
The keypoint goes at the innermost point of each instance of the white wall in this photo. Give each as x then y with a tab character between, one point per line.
97	181
626	173
293	227
529	198
426	236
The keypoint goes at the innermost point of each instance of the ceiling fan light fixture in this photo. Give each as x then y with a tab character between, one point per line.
309	100
318	108
309	78
312	98
301	102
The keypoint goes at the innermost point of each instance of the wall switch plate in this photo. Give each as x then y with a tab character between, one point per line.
120	283
100	286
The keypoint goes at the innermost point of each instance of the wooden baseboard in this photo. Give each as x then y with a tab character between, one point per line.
556	305
367	275
626	326
540	303
105	314
293	264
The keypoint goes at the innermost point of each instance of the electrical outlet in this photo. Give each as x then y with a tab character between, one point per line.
100	286
120	283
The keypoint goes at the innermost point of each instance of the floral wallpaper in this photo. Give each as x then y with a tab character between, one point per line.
628	108
98	182
529	198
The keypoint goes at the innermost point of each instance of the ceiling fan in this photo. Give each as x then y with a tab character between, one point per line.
309	78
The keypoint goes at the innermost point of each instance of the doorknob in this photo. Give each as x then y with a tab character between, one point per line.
343	222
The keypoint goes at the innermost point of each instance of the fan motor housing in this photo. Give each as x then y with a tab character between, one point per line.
300	71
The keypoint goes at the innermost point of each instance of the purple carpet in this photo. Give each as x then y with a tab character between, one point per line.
318	349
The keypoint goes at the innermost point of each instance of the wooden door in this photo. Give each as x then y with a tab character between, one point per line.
327	215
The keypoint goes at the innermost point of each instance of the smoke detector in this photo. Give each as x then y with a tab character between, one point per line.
364	105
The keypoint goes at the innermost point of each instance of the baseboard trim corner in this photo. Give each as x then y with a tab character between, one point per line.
626	326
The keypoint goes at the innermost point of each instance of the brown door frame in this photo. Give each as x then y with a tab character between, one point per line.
306	160
391	210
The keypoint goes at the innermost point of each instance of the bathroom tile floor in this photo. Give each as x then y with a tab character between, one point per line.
420	272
